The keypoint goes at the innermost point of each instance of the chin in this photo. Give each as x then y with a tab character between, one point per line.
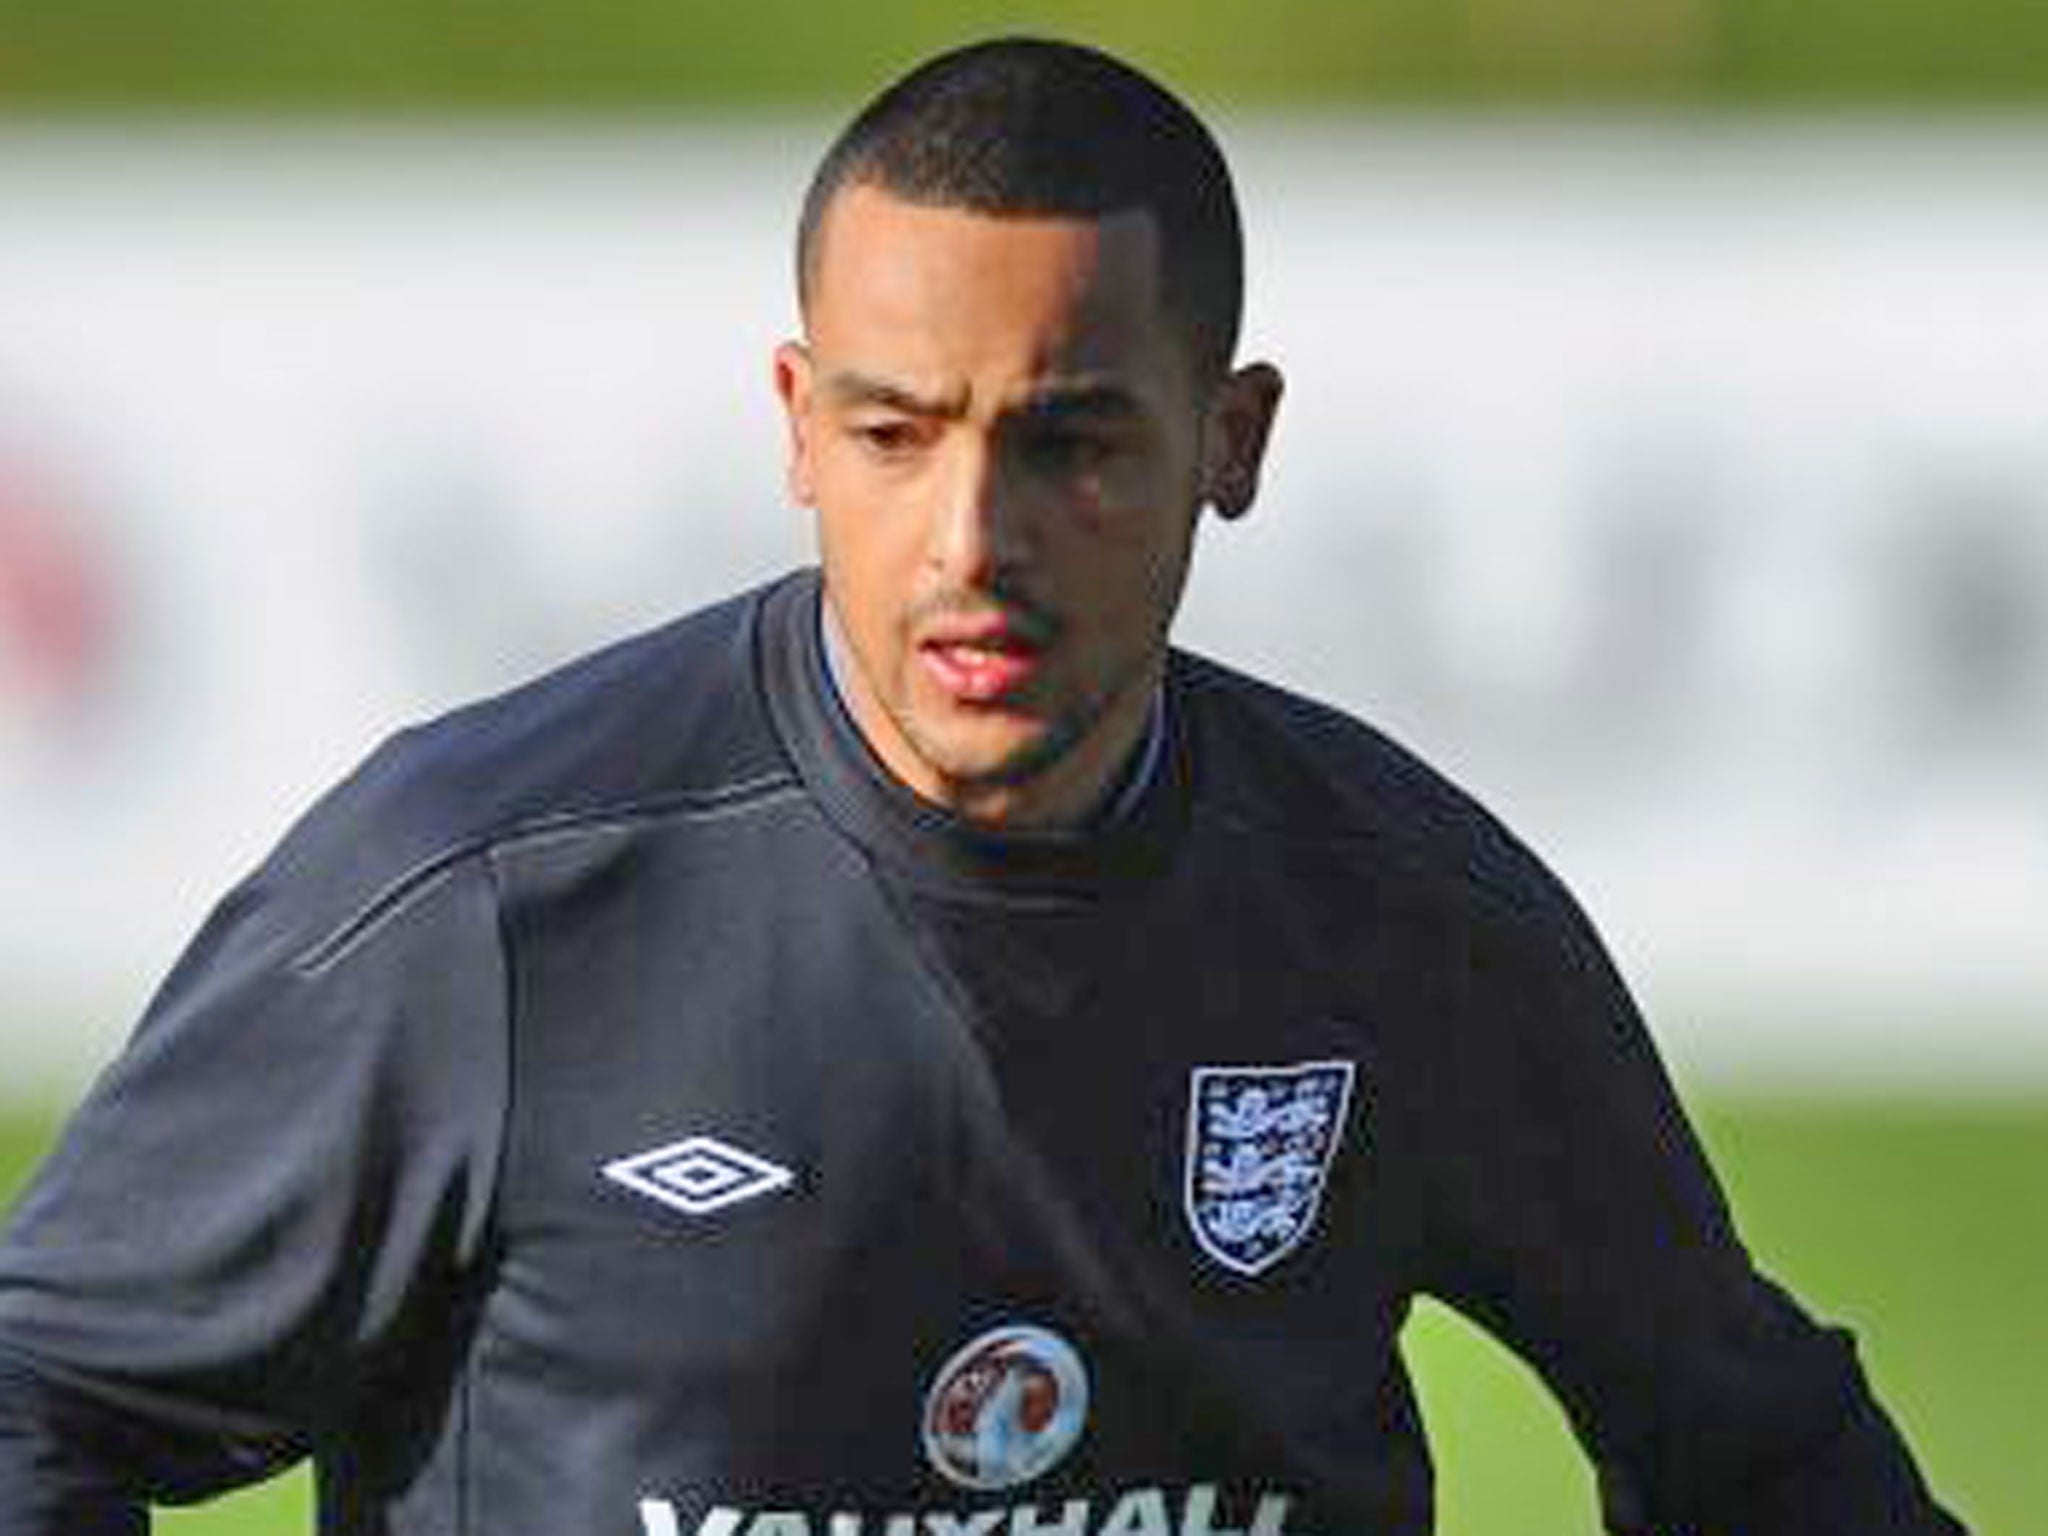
993	756
1011	769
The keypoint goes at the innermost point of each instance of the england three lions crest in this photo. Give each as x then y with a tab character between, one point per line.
1260	1143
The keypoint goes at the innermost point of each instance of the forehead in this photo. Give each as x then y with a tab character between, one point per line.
941	291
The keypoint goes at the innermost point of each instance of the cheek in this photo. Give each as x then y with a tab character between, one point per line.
1126	572
871	559
860	503
1146	488
1117	505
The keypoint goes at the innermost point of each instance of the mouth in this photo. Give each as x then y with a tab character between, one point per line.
984	661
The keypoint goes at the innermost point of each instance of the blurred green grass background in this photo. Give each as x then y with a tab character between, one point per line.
1918	1224
636	55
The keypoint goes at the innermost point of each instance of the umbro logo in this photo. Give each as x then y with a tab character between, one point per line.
699	1175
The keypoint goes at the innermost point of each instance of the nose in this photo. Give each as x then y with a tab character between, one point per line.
979	536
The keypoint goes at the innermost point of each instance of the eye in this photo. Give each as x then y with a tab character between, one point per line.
890	437
1064	448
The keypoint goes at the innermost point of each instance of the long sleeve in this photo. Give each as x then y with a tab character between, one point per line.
247	1225
1580	1223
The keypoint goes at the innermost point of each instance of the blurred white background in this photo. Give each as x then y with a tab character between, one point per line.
1683	490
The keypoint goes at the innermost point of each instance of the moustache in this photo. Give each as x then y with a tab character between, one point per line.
1036	626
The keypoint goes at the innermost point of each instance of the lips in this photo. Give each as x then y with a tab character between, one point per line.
982	662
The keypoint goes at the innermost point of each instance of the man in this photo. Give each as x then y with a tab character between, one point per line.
904	1053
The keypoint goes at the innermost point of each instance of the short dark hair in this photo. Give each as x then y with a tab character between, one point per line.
1028	126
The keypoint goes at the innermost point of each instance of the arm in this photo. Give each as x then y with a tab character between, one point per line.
251	1224
71	1462
1579	1222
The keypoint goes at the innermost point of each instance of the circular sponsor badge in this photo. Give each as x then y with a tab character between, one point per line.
1005	1408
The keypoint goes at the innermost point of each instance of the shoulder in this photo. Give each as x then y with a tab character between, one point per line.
1289	769
664	720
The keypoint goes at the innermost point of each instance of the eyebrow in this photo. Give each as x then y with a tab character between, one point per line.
1055	400
849	386
1060	401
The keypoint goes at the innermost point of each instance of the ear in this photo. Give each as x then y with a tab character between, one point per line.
793	378
1236	426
